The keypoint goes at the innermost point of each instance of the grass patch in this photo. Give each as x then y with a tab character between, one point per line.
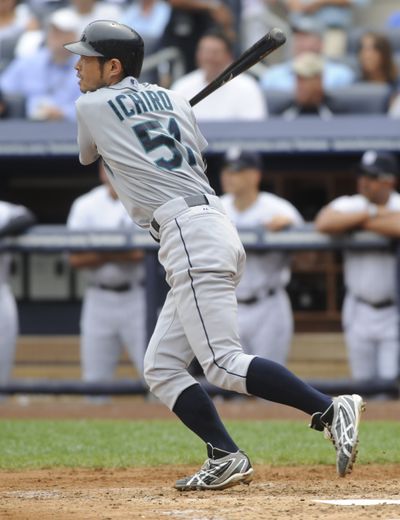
118	444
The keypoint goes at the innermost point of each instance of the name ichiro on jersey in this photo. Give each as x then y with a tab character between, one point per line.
132	103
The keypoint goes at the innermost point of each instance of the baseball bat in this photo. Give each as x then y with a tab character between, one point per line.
274	39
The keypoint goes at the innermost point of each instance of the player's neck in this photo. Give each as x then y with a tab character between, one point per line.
245	200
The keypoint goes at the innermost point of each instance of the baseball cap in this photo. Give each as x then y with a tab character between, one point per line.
237	160
308	64
304	24
65	20
375	163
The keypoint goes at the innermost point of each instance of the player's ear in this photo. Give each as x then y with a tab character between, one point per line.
115	67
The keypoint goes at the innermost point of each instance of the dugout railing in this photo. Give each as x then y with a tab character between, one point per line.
55	238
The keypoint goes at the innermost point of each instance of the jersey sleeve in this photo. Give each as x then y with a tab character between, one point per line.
77	218
87	148
347	204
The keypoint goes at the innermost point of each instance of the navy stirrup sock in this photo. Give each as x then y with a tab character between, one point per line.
197	411
276	383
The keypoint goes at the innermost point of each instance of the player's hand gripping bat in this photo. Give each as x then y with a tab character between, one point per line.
274	39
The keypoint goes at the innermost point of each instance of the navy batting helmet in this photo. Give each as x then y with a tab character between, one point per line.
109	39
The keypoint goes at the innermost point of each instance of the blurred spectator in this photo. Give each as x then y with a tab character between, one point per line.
190	19
113	312
376	61
335	17
264	310
309	97
307	37
84	11
15	18
47	79
241	98
13	220
149	18
88	11
370	314
257	19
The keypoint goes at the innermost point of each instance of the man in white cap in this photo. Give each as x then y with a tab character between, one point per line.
47	79
309	96
370	315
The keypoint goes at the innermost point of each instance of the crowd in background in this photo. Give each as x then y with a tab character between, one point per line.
326	51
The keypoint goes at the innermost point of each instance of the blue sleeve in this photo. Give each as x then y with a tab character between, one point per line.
10	80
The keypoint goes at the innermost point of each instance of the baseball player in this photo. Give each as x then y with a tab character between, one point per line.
113	311
264	311
13	219
152	149
370	314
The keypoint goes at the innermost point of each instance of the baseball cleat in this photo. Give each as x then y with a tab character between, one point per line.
219	473
343	429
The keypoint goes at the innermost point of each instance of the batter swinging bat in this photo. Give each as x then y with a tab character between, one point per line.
274	39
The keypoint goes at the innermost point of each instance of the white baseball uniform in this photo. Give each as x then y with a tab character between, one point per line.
264	311
113	312
8	306
370	315
152	148
240	99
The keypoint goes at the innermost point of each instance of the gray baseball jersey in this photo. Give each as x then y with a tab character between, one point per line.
157	146
149	139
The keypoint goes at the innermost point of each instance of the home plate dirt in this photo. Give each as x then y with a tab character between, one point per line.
148	493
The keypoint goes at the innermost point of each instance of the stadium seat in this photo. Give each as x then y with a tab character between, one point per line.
16	106
360	98
278	101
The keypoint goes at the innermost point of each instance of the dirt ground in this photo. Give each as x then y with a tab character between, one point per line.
137	493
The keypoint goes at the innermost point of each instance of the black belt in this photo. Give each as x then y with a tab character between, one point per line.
116	288
255	299
193	200
377	305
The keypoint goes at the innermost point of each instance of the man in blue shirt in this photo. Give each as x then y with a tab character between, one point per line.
307	37
47	79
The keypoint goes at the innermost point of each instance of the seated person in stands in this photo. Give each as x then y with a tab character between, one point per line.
309	97
376	61
370	315
47	79
239	99
15	18
191	19
334	16
148	18
307	37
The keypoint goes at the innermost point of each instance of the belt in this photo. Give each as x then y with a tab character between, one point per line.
191	201
255	299
117	288
377	305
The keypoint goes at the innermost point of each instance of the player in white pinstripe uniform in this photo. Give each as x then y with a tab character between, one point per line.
152	147
113	312
13	219
264	310
370	312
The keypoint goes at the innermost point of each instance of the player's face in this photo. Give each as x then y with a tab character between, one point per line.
91	73
376	190
240	182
